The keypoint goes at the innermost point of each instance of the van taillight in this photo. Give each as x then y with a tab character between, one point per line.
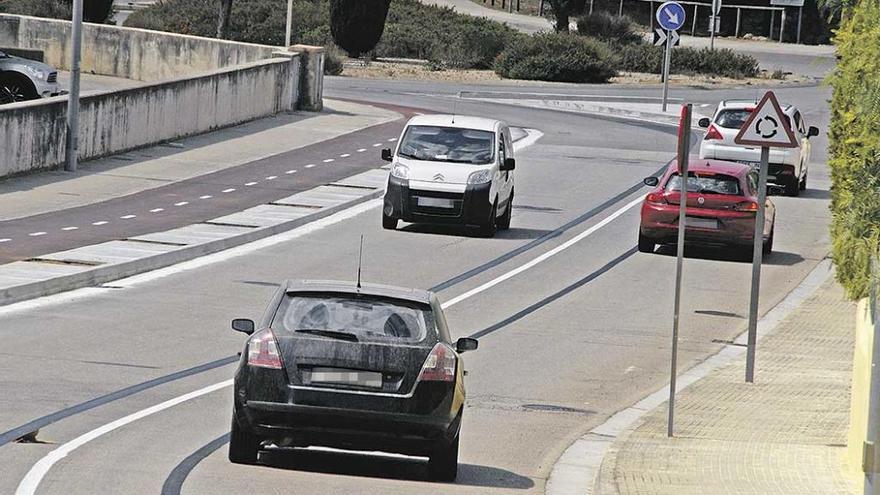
440	365
263	351
713	133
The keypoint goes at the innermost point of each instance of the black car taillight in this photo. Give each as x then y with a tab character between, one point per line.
439	365
263	351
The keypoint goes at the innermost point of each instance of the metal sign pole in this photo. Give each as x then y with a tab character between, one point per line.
666	63
72	147
757	259
684	144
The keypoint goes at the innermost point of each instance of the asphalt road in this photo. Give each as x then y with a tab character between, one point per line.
564	344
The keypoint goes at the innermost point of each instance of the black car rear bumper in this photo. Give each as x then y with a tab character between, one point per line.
472	207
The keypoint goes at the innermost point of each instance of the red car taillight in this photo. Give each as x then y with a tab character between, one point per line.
263	351
439	366
656	198
713	133
746	206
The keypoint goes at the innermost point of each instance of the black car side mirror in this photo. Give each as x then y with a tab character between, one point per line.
704	122
386	155
465	344
508	164
812	131
243	325
651	181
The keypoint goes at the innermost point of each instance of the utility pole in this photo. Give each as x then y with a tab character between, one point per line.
287	32
73	97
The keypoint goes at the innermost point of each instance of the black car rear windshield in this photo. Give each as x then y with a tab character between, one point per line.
707	184
360	318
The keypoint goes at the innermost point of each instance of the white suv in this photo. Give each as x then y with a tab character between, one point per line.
451	169
788	167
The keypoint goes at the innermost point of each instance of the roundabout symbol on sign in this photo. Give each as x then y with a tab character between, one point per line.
770	130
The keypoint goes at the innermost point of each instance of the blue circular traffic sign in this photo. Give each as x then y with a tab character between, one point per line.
671	16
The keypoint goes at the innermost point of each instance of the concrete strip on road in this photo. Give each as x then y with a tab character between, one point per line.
577	469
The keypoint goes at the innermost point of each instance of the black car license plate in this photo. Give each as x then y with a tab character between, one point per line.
338	376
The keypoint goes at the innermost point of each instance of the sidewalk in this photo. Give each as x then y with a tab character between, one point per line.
784	434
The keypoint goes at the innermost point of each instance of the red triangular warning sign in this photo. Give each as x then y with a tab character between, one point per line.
767	126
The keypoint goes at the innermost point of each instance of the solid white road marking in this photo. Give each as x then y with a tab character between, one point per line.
249	183
290	172
36	234
98	224
206	196
182	203
345	155
126	217
328	160
68	229
28	485
231	189
157	210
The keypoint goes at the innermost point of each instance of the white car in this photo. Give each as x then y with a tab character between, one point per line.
451	169
788	167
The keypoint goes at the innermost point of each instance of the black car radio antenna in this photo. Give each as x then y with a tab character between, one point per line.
360	259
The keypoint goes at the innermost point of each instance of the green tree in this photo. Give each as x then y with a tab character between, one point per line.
97	10
357	25
563	10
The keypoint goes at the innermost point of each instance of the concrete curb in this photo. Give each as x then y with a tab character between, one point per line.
577	471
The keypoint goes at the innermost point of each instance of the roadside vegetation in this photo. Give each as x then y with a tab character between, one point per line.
98	11
854	147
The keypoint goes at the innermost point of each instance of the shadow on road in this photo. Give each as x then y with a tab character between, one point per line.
776	258
462	230
374	466
816	194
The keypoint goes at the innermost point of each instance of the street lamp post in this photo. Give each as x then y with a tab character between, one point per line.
73	96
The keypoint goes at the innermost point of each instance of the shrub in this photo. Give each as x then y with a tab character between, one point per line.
608	27
854	148
357	25
333	60
686	60
558	57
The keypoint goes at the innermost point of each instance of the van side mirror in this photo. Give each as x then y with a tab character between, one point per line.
509	164
465	344
704	122
651	181
812	131
243	325
386	155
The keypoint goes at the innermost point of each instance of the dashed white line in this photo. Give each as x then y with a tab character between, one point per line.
311	165
290	172
362	150
4	240
250	183
377	145
157	210
68	229
231	189
102	222
206	196
345	155
182	203
126	217
36	234
391	140
329	160
272	177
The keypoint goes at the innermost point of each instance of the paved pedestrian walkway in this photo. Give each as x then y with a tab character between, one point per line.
784	434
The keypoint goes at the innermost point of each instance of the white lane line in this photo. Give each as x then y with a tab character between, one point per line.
68	229
98	224
290	172
231	189
250	183
182	203
28	485
272	177
5	240
345	155
544	257
391	140
206	196
362	150
377	145
328	160
126	217
311	165
36	234
157	210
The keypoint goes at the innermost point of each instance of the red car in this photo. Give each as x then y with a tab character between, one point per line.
722	203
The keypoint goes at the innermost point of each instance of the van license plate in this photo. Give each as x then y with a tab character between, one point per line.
347	377
436	202
701	223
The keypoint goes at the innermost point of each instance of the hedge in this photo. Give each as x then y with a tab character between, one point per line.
854	148
686	60
559	57
608	27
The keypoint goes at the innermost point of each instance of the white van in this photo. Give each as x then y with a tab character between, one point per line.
451	169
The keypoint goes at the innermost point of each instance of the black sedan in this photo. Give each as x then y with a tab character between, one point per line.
361	368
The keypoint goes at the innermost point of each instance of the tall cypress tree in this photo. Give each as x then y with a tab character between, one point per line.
357	25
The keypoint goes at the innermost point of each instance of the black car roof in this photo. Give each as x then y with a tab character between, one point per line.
415	295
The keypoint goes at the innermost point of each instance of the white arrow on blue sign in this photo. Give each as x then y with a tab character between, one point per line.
671	16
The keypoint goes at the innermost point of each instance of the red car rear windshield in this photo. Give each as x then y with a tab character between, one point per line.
707	184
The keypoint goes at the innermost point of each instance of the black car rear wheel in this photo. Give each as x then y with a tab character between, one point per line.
443	462
243	445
